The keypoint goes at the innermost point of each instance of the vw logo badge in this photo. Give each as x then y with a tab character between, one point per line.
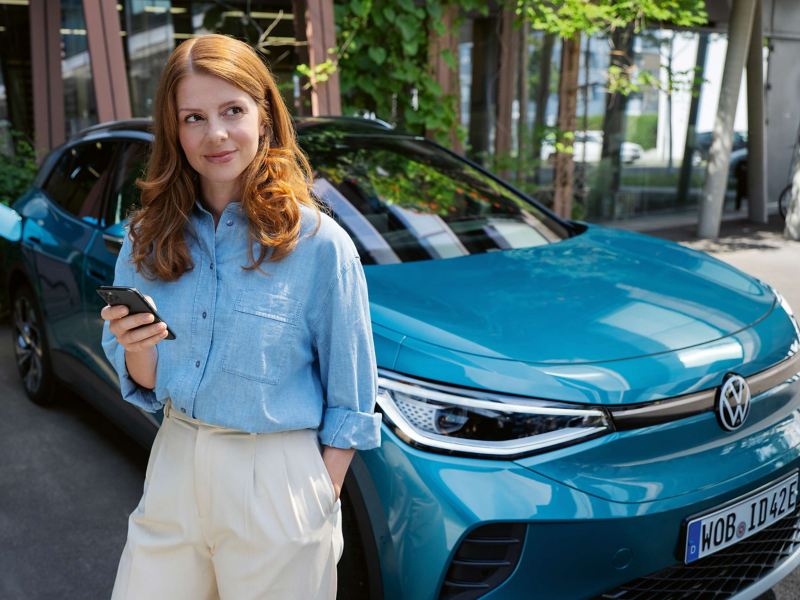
733	402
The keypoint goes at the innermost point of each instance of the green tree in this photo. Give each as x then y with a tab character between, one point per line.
569	19
383	62
18	169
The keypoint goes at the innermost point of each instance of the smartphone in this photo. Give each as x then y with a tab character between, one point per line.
133	299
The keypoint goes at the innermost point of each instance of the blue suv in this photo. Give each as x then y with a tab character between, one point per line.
569	411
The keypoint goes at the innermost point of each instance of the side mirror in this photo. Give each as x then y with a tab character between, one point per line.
10	224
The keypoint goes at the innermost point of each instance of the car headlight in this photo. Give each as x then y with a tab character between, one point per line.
454	420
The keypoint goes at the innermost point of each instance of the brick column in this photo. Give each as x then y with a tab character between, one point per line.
109	74
314	24
48	83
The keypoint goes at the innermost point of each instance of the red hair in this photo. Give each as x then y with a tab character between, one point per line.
274	185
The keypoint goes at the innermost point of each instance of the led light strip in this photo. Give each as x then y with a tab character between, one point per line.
680	407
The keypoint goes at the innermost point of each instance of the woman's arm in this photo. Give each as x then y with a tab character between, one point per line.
337	461
142	366
138	336
126	335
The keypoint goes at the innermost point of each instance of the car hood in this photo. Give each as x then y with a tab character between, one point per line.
602	295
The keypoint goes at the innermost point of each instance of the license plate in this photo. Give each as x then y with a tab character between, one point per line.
724	527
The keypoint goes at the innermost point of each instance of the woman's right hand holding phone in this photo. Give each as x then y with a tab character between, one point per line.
138	335
135	332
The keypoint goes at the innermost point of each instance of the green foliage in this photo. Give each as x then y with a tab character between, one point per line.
566	18
18	170
384	65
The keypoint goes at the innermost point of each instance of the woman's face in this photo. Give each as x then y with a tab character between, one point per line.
218	127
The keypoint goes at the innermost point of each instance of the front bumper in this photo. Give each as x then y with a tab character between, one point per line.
578	543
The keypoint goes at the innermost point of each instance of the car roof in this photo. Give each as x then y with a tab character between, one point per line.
353	125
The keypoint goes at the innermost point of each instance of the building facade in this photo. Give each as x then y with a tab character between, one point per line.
67	64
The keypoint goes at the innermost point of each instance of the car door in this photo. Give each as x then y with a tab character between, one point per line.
67	223
101	254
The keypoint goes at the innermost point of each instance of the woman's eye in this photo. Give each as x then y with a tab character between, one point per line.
193	118
234	110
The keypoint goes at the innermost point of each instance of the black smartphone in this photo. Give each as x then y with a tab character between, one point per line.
133	299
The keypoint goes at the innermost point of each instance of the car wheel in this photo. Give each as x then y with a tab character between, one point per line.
354	581
30	347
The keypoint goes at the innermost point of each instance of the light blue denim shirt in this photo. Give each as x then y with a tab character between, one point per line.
289	349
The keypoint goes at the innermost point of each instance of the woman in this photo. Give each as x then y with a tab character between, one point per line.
273	353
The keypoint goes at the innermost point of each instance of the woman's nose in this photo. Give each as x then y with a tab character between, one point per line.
217	131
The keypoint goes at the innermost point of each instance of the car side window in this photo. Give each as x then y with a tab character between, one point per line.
124	195
80	177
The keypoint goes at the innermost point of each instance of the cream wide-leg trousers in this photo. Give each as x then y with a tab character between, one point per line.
232	515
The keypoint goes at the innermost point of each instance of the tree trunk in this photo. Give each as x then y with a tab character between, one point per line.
616	103
484	78
446	77
684	183
740	26
567	106
506	88
542	95
522	124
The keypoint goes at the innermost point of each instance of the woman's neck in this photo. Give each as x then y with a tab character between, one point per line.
216	196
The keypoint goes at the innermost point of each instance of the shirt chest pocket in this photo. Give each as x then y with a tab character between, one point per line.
264	328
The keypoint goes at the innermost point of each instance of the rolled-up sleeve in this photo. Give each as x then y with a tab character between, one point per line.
343	341
131	391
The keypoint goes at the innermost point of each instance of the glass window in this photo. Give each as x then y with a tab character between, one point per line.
405	199
16	107
80	105
80	178
124	194
152	28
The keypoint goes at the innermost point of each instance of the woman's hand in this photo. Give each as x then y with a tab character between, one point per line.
337	461
134	332
139	336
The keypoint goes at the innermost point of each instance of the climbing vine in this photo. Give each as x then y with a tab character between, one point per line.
384	66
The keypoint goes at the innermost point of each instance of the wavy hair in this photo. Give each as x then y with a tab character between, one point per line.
274	185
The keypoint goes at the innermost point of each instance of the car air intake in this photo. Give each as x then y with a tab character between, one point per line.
483	560
722	574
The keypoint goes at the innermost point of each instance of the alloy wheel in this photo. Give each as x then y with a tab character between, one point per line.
28	344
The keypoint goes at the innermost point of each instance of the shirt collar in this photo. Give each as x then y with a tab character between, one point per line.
234	205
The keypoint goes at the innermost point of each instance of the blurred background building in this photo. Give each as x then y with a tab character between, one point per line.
67	64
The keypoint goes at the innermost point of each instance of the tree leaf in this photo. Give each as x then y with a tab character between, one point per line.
410	47
409	27
377	54
360	7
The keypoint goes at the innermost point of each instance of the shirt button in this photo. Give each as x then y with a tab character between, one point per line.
204	314
197	363
211	266
183	410
229	222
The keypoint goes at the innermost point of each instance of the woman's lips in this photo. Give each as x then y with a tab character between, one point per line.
220	157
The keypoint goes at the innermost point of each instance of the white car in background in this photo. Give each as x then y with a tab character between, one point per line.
588	147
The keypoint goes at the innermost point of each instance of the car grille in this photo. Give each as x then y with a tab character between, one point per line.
722	574
484	559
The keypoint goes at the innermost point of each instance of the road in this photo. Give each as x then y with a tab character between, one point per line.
68	480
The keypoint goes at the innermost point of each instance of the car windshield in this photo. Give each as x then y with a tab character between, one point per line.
403	199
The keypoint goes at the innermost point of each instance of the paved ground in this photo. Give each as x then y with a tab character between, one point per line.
69	479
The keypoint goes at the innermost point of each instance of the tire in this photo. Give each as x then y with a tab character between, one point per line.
353	581
31	351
